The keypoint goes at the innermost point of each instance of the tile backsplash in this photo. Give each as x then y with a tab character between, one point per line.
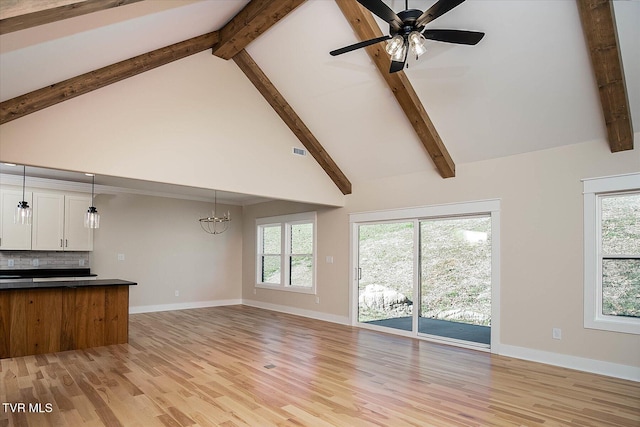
41	259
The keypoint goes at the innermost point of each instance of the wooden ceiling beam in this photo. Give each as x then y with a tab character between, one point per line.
291	119
22	14
599	26
251	22
366	27
59	92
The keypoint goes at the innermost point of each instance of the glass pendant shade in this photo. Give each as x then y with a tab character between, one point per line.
23	214
395	45
417	43
399	54
92	218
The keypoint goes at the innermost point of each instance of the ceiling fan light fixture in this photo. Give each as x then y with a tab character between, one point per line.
417	43
395	45
399	55
407	33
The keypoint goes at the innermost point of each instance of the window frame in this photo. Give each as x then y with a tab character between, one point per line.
285	222
595	190
261	254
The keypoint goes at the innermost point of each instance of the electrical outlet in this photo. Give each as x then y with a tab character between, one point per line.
317	300
556	333
177	293
329	259
11	263
35	262
81	263
255	291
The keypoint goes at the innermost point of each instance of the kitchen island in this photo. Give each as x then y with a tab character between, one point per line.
38	317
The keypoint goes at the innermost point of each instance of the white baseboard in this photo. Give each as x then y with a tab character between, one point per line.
182	306
572	362
343	320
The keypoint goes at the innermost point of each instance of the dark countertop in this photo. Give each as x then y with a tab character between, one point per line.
65	284
44	272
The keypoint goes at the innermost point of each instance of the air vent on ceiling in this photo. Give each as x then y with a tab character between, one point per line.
299	151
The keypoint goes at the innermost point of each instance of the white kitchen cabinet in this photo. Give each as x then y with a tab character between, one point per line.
48	222
13	236
58	222
77	237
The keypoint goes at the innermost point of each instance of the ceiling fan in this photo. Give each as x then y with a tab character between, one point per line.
407	32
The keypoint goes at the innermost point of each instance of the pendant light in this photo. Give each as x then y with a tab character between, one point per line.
92	217
215	224
23	212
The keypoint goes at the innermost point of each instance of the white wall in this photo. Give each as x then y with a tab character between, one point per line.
541	245
197	122
166	250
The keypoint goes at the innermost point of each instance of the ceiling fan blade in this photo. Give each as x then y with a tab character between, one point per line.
358	45
377	7
437	10
454	36
396	66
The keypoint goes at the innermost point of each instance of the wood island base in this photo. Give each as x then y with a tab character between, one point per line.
49	320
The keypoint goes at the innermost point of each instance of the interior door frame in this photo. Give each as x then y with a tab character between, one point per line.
481	207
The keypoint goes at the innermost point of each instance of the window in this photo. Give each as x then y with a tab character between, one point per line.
286	252
270	253
612	253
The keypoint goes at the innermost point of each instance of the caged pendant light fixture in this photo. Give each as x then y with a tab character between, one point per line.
215	224
23	212
92	217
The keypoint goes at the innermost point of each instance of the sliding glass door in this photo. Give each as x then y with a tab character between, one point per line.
455	276
385	274
433	275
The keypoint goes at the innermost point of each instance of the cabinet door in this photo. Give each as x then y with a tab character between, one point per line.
48	222
76	236
13	236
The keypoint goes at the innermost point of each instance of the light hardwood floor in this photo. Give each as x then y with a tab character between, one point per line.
243	366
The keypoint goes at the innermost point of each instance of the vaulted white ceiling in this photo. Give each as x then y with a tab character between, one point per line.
528	85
